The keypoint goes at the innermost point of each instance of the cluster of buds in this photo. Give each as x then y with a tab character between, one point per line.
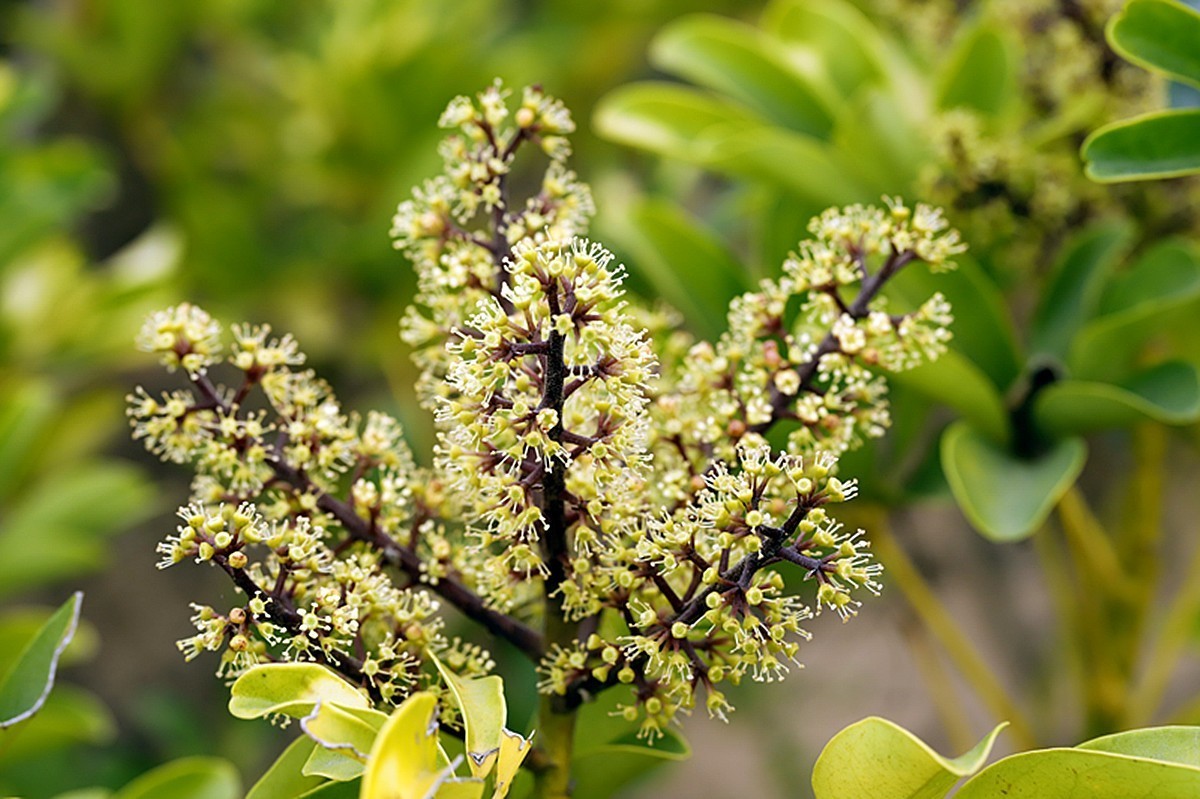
612	505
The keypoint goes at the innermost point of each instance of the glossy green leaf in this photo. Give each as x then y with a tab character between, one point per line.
23	690
1146	302
290	689
1160	35
611	756
1160	144
70	716
738	61
284	779
187	778
19	625
484	713
1168	393
668	119
1076	284
833	32
1175	744
980	74
877	759
1081	774
955	382
683	263
1007	498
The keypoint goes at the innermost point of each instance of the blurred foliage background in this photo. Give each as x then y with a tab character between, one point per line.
247	155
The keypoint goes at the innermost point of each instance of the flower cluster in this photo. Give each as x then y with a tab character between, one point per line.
459	226
608	495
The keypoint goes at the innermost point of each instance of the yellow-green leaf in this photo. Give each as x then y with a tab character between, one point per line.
513	750
403	763
877	759
290	689
484	712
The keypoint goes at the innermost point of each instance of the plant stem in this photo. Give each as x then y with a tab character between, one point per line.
556	729
937	683
943	627
1177	631
1103	596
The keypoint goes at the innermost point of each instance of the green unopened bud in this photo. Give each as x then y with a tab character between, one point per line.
626	675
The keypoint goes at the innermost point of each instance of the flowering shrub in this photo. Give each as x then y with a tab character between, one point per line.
606	494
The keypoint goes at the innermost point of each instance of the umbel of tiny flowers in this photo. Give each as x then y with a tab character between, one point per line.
608	496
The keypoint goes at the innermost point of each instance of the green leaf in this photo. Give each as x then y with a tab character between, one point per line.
683	262
980	74
1168	393
1149	300
1076	284
290	689
1006	498
1160	144
332	765
484	712
1175	744
1158	35
832	32
737	60
69	717
611	756
877	759
24	689
1081	774
668	119
284	779
187	778
957	383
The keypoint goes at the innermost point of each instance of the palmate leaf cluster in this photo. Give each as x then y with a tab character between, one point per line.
606	493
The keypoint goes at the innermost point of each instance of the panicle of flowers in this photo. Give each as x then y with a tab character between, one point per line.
606	498
811	347
557	382
460	225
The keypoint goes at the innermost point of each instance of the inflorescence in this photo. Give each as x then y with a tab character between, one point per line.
639	493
